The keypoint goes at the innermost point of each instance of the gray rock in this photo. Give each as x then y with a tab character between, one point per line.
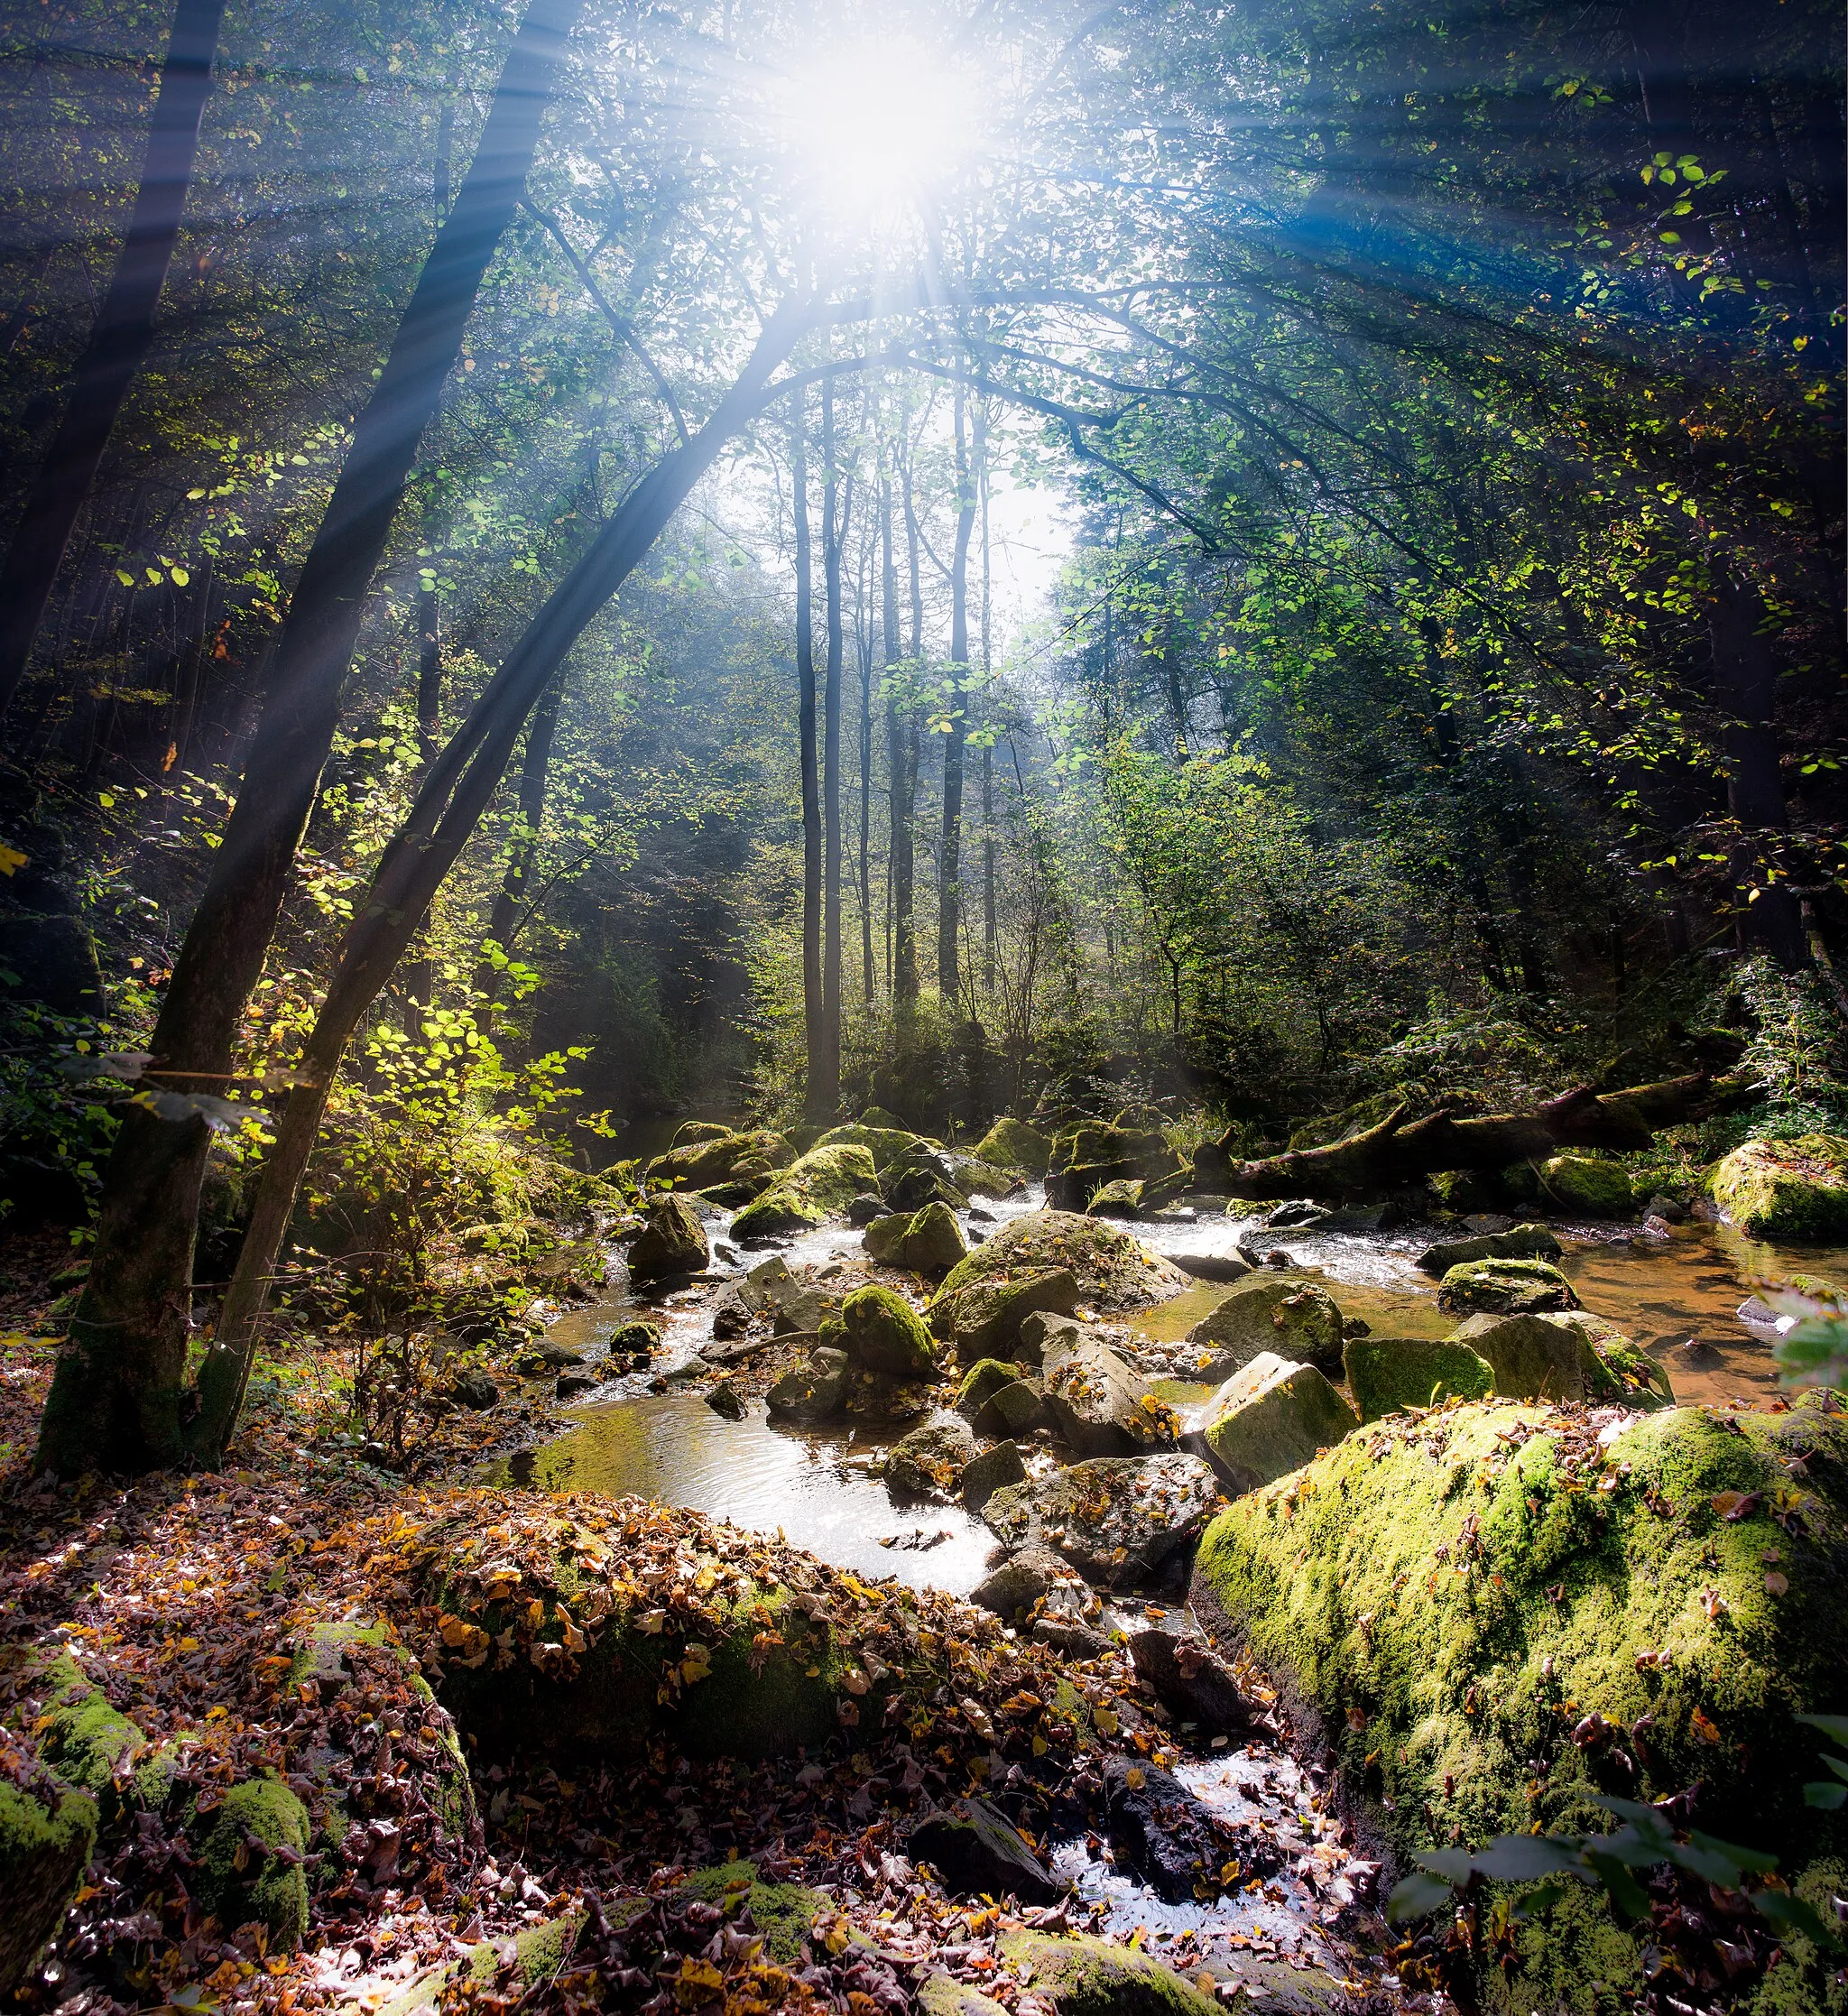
1115	1518
1297	1214
1269	1418
1098	1402
1189	1678
727	1401
764	1283
1667	1209
731	1314
1360	1217
863	1210
672	1242
934	1242
1019	1582
1015	1408
813	1393
798	1309
1213	1266
1161	1829
994	1470
571	1383
976	1852
988	1319
1522	1242
929	1462
737	1351
477	1390
1070	1635
1269	1311
1531	1357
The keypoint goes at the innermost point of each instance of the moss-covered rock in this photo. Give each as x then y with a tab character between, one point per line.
1079	1975
782	1912
934	1242
250	1851
1270	1417
1481	1189
1505	1287
884	1145
1387	1376
810	1190
1014	1144
1266	1311
1795	1191
1577	1182
1564	1355
929	1462
984	1316
884	1238
1113	1268
699	1162
1119	1198
1098	1402
672	1242
1472	1608
46	1834
93	1746
1520	1242
882	1332
981	1383
539	1956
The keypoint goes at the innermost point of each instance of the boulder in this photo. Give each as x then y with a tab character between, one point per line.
864	1209
637	1334
476	1390
572	1385
1189	1678
1113	1268
762	1286
1119	1199
1085	1158
47	1832
1213	1266
883	1237
725	1400
1429	1598
929	1462
1296	1213
1570	1355
884	1144
1014	1144
1079	1975
1577	1182
1019	1582
977	1852
934	1242
980	1384
813	1393
1505	1287
924	1174
690	1132
985	1318
672	1242
731	1314
1275	1312
250	1862
1387	1376
1522	1242
882	1116
1795	1191
718	1159
799	1308
1160	1829
882	1332
943	1994
1099	1402
994	1470
1479	1190
1270	1417
816	1185
1017	1409
1115	1518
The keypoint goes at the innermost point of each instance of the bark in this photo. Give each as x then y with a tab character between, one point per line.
813	1012
901	762
503	919
125	1358
429	672
458	791
949	900
1400	1151
863	642
825	1072
119	342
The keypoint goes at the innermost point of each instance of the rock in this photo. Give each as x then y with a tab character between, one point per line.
1113	1268
1505	1287
1427	1600
862	1209
1471	1190
981	1383
812	1188
1160	1829
761	1287
636	1336
731	1314
924	1174
929	1462
1270	1417
672	1242
1084	1159
985	1317
1019	1582
1190	1679
1038	1329
1014	1144
1283	1313
882	1333
1670	1210
884	1238
692	1130
994	1470
881	1116
884	1145
1079	1975
727	1401
1522	1242
783	1914
1017	1409
1099	1402
1115	1518
1388	1375
720	1158
1795	1191
1577	1182
476	1390
813	1393
571	1383
977	1852
47	1833
1296	1215
1565	1356
943	1994
1213	1266
1069	1635
1119	1199
934	1242
799	1308
250	1862
1360	1217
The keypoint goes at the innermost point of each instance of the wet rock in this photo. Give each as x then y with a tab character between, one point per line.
929	1462
1113	1268
672	1242
1564	1357
994	1470
922	1175
977	1852
1355	1327
1270	1417
1267	1311
1520	1242
1014	1144
1115	1518
476	1390
813	1393
1084	1159
882	1333
636	1337
1190	1679
1098	1402
862	1209
1670	1210
727	1401
1079	1975
805	1194
1505	1287
981	1383
1792	1190
1360	1217
1019	1582
1587	1184
1070	1635
799	1308
1160	1829
986	1319
1213	1266
721	1159
1296	1213
761	1287
1388	1375
1119	1199
883	1237
884	1145
1016	1409
731	1314
573	1383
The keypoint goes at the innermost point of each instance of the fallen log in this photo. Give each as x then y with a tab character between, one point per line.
1400	1151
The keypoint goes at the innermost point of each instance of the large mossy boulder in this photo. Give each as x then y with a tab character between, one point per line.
1589	1184
1491	1615
705	1159
1271	1416
984	1317
47	1832
1795	1191
1014	1144
928	1242
1388	1375
809	1192
672	1242
1287	1314
250	1861
882	1332
1505	1287
1113	1268
1084	1159
1079	1975
883	1144
1520	1242
1563	1357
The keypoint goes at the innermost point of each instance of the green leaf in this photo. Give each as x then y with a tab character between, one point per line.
1793	1914
1417	1897
1625	1891
1522	1858
1836	1725
1827	1798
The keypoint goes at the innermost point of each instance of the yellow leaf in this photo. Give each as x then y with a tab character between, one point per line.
12	860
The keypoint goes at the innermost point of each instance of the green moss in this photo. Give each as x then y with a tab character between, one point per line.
984	1316
884	1144
1505	1287
1389	1375
43	1850
242	1877
540	1952
882	1332
1113	1268
782	1912
1794	1190
1082	1976
1284	1313
816	1185
1577	1182
1014	1144
981	1381
884	1238
722	1157
88	1743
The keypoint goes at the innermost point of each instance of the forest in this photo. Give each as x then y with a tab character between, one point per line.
923	1007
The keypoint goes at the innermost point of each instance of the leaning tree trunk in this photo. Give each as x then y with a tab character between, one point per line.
117	1393
120	340
460	786
535	767
1400	1151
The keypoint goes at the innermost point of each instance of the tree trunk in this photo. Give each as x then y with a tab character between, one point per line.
126	1353
813	1011
511	893
991	931
120	340
460	786
825	1072
1748	675
949	901
429	672
863	644
900	771
1397	1152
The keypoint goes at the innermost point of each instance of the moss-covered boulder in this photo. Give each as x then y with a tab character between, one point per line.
1520	1242
1387	1376
1271	1416
1085	1158
47	1832
1113	1268
703	1161
934	1244
1266	1311
929	1462
1479	1190
1795	1191
808	1395
250	1849
1562	1357
672	1242
980	1384
1576	1181
984	1316
1121	1198
1490	1616
1505	1287
808	1192
1115	1518
1014	1144
883	1144
882	1332
95	1747
782	1913
1079	1975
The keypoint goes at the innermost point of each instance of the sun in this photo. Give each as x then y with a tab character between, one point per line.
878	125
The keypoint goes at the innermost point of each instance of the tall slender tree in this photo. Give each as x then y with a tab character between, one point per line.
814	1013
949	887
902	771
836	498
